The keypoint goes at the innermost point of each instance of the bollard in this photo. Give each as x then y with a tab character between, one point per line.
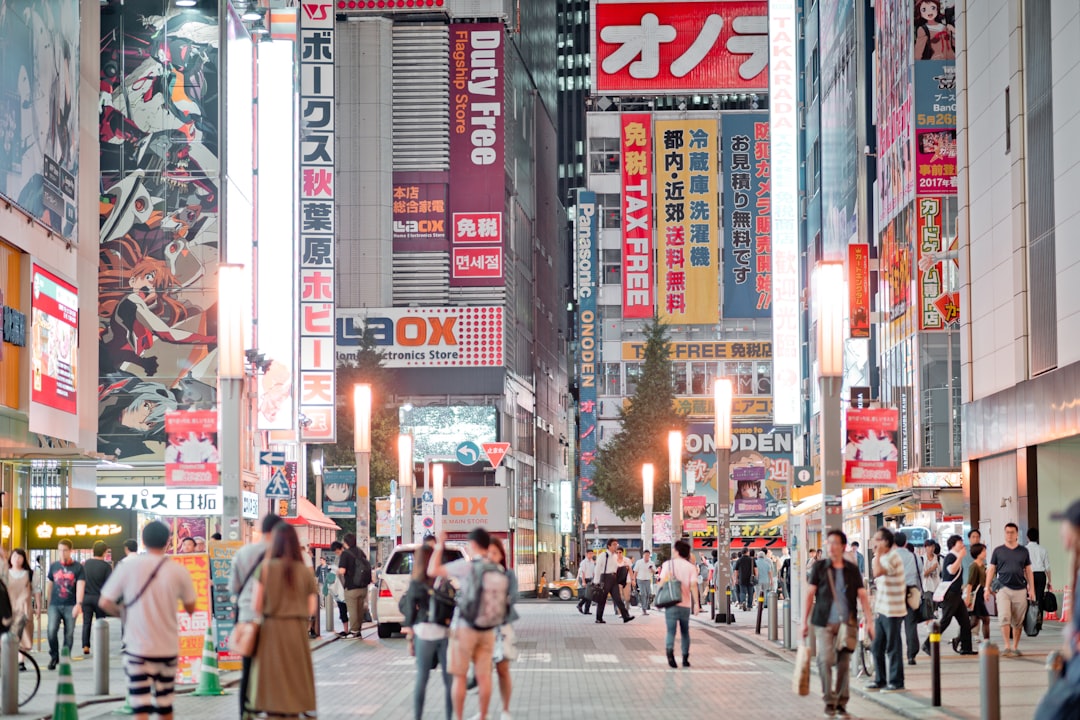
989	681
330	607
9	674
789	643
1055	666
760	609
101	656
773	630
935	664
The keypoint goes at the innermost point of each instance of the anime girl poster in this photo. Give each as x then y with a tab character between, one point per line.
159	221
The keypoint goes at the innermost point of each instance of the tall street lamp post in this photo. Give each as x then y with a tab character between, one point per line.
829	296
317	470
437	493
647	472
722	440
405	484
675	448
362	448
232	305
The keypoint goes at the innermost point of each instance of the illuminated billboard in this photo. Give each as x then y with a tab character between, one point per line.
54	341
424	336
437	430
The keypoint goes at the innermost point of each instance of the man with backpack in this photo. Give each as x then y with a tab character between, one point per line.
483	600
355	572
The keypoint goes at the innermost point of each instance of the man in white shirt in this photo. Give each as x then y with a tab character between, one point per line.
644	571
149	586
584	577
1040	565
890	607
606	568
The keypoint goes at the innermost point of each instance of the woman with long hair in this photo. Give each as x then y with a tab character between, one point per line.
426	624
20	585
505	651
282	680
680	568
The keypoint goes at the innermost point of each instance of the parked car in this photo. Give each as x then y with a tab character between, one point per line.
562	589
394	581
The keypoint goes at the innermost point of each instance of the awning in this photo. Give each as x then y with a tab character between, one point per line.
882	504
308	514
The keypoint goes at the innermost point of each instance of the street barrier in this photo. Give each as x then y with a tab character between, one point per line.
1066	605
935	664
100	645
773	630
760	609
789	641
9	674
989	681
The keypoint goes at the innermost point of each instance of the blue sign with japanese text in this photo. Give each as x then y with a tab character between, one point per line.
747	216
585	278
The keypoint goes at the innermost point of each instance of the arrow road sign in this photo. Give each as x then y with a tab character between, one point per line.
496	451
272	458
278	488
468	453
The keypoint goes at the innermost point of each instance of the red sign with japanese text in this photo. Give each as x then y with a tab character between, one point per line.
870	450
859	289
191	457
477	153
699	46
636	138
192	628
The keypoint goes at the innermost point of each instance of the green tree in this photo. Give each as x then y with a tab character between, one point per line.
384	426
642	435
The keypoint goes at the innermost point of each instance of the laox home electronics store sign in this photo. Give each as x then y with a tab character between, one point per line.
424	337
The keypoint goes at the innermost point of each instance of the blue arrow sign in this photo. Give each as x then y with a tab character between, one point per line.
272	458
467	453
278	488
428	496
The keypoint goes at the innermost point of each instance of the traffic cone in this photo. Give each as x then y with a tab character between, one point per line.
65	707
209	682
1066	605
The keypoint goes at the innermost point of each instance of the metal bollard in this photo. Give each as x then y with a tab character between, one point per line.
935	664
990	681
773	630
100	643
1055	666
9	674
760	609
789	641
330	605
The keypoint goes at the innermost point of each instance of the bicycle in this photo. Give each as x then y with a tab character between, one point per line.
29	677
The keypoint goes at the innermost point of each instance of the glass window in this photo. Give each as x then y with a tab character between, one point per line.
678	377
742	377
611	380
610	210
604	155
764	378
633	375
699	379
611	266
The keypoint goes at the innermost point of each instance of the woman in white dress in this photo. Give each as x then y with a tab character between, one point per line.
20	587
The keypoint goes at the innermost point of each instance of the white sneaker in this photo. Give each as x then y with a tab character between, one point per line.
505	716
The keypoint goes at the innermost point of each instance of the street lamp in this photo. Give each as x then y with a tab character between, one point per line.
647	472
362	448
675	448
722	440
437	493
317	470
233	304
405	483
829	297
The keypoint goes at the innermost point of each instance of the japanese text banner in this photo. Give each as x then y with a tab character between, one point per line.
870	451
637	214
686	231
747	216
939	273
859	289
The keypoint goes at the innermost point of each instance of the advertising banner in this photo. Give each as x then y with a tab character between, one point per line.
420	207
839	105
784	155
191	457
704	350
339	493
935	114
160	224
465	508
161	500
741	407
694	519
317	305
870	453
859	289
82	526
939	270
935	157
477	182
383	521
689	46
895	264
894	99
637	215
54	341
686	222
39	110
222	553
747	216
469	336
193	627
661	528
586	272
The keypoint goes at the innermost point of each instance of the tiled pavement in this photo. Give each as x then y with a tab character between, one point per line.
569	668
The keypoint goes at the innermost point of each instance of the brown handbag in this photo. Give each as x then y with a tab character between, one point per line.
244	637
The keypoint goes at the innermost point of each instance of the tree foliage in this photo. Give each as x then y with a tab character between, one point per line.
384	425
642	435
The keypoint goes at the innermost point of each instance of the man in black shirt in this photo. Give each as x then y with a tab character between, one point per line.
952	576
355	572
744	568
96	571
1011	564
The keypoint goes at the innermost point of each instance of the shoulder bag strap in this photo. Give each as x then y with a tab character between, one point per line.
832	588
149	580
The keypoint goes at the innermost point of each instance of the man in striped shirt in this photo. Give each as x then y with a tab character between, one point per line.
890	607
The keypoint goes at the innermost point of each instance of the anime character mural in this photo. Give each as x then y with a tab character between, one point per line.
39	118
159	221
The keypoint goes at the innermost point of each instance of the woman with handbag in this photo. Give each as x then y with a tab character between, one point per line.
836	587
505	650
682	575
973	592
950	595
426	623
282	679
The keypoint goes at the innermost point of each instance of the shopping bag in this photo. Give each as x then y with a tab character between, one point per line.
1033	619
800	683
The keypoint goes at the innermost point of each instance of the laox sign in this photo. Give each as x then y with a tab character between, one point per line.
466	506
412	330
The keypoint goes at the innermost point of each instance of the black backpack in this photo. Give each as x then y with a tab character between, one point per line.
361	571
1049	603
441	601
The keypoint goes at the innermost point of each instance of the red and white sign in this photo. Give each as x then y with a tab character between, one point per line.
859	289
691	46
870	451
495	452
54	341
477	228
636	139
191	457
477	263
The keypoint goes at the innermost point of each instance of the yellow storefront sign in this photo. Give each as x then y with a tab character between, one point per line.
741	407
708	350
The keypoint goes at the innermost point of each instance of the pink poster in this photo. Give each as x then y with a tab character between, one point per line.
870	453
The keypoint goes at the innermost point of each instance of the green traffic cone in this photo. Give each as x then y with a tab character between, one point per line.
209	682
65	707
